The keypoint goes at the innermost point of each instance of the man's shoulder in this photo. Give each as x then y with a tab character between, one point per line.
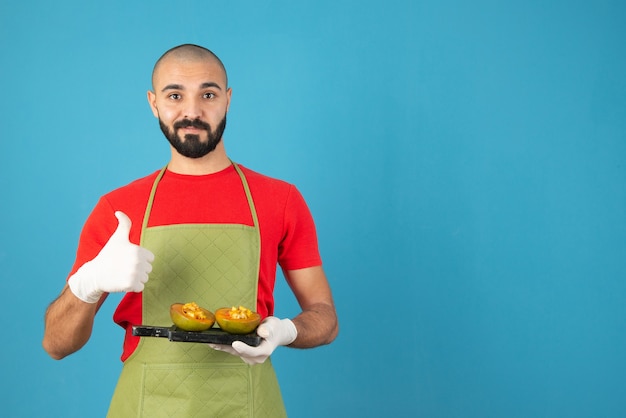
272	192
137	186
263	179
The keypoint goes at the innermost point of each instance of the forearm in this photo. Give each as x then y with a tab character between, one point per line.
317	325
68	325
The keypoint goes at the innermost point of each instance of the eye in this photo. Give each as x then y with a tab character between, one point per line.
174	96
209	95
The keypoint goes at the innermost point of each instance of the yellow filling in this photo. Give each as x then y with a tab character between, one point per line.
240	313
192	310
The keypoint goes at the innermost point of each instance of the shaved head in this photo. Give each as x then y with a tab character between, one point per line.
188	53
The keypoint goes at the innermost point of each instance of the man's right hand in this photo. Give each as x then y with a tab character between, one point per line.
121	266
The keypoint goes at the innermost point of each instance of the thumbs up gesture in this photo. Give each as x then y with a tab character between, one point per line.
121	266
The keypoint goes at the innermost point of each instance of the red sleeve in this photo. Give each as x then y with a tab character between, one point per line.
102	223
96	231
298	248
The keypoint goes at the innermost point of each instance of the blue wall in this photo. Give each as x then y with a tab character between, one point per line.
464	161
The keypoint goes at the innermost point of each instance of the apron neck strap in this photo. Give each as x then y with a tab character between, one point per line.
246	188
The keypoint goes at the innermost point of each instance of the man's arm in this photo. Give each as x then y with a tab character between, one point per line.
317	323
68	324
120	266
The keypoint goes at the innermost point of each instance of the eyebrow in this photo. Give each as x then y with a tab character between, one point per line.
208	84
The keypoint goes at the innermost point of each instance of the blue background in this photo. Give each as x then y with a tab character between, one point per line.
464	161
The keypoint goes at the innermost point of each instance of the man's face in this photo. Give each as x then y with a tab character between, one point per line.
191	145
191	101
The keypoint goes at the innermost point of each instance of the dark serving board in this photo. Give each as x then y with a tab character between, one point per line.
213	335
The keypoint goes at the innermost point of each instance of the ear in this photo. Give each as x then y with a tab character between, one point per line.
229	93
152	102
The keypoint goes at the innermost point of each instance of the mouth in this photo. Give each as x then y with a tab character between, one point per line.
190	129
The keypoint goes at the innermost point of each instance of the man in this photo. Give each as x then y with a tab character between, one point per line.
202	229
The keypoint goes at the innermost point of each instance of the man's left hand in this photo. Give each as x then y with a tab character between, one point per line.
274	332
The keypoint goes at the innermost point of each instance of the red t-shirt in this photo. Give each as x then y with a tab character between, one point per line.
288	236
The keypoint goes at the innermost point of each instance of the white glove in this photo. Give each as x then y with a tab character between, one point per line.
274	331
121	266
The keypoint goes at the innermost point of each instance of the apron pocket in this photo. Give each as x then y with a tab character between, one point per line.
195	390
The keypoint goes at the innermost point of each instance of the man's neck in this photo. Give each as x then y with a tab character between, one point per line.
215	161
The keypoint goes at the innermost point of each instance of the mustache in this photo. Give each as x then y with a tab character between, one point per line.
188	123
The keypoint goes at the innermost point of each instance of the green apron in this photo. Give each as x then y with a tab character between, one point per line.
214	265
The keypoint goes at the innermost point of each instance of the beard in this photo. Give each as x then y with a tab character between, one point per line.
192	146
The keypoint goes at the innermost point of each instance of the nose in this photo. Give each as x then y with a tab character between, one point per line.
192	109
